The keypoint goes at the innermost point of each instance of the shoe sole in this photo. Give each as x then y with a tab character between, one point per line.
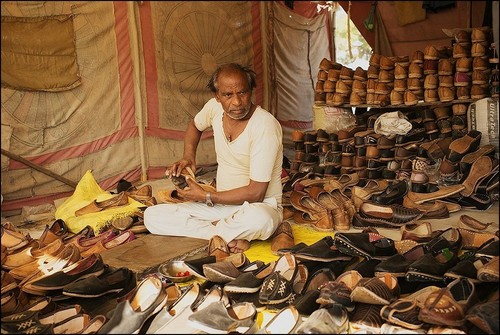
488	277
349	249
51	288
373	299
275	302
82	295
235	289
395	274
210	330
217	276
423	197
449	277
356	223
480	169
325	260
413	276
388	313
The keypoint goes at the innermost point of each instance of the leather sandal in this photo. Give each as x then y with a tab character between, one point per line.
218	247
95	206
339	290
169	196
122	223
469	159
449	305
380	290
172	196
474	201
304	202
317	217
344	181
474	240
13	239
383	216
480	169
324	198
404	311
430	267
488	183
464	145
470	222
282	237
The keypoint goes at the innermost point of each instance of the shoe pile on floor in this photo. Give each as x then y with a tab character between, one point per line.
40	276
351	283
357	282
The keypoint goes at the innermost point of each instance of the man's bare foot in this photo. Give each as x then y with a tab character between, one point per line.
236	246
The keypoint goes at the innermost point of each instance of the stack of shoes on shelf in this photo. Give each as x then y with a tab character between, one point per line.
439	74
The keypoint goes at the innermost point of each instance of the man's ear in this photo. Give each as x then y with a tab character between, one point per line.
216	96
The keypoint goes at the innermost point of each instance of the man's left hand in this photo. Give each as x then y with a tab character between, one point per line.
193	192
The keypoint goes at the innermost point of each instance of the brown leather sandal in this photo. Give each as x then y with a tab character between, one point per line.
470	222
95	206
218	247
282	237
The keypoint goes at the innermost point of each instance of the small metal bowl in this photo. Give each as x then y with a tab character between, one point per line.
170	270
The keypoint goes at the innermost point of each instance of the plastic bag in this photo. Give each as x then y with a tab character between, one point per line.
333	119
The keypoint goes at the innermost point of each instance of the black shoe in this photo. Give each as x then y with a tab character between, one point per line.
430	268
416	135
365	245
393	194
321	251
474	201
115	281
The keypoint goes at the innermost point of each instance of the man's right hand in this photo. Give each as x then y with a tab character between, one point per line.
183	164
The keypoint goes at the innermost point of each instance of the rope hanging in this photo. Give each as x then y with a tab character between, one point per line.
349	30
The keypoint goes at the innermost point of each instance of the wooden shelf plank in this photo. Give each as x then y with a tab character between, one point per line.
419	104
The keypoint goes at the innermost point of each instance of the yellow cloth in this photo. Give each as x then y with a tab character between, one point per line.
261	250
87	191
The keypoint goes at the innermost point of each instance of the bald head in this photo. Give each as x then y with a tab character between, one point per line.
231	68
